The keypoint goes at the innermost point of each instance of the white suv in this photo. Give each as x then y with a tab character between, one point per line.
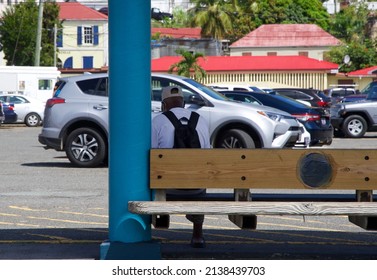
76	118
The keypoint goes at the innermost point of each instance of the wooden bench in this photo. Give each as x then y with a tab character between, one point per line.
244	170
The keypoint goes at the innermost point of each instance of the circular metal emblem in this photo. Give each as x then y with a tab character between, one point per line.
315	170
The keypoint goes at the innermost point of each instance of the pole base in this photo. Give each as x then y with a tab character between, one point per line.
149	250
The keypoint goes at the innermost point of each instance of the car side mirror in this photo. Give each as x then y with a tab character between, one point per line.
194	99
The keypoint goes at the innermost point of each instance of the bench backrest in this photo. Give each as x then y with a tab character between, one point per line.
263	169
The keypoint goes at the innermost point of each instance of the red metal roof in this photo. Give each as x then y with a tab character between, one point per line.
192	33
370	71
77	11
287	35
249	63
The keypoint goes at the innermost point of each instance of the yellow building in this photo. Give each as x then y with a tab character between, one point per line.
83	41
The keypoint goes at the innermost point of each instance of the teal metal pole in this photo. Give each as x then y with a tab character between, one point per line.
130	117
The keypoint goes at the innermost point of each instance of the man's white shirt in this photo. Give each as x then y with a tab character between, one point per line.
163	129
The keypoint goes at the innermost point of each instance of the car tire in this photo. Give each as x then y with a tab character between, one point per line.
236	139
354	126
32	120
86	147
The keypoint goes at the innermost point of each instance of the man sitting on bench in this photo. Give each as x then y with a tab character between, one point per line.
167	131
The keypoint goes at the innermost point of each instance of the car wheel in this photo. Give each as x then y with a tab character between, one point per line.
235	139
85	147
32	120
354	126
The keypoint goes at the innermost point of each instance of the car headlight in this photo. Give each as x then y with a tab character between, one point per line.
272	116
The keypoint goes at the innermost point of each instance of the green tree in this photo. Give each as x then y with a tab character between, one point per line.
188	63
350	25
289	11
253	13
18	31
215	17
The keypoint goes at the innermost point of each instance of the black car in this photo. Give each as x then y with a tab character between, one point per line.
305	94
158	15
316	120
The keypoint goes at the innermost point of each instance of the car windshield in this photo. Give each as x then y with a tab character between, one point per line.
256	89
285	102
370	90
209	91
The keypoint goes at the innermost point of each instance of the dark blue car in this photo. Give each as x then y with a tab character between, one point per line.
316	120
2	117
9	113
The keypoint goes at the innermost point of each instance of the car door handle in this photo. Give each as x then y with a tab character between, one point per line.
100	107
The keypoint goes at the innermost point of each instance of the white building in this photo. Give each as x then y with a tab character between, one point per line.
333	6
169	5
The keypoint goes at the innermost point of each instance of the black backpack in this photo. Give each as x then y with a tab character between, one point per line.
185	135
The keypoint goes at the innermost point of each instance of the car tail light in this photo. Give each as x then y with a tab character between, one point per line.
307	117
11	107
53	101
322	103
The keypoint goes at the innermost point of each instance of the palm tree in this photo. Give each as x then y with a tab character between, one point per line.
214	17
188	63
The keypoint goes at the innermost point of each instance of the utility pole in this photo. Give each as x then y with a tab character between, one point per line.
55	34
39	34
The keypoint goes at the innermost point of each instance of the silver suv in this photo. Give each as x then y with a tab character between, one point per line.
76	118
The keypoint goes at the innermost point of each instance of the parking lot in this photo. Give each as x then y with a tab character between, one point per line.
52	210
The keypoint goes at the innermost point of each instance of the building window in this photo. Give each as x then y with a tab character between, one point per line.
246	54
45	84
272	53
59	39
303	54
87	35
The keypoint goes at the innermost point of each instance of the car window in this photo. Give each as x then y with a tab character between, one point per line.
338	93
97	86
3	99
159	83
209	91
370	90
290	94
350	91
239	89
60	85
18	100
220	87
243	98
302	96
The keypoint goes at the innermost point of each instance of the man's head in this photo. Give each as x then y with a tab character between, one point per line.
172	97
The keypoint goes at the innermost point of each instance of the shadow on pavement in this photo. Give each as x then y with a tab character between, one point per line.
84	243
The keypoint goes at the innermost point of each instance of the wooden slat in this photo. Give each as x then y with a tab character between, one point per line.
258	168
253	208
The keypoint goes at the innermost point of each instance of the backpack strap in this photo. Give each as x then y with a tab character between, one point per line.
194	118
172	118
193	121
